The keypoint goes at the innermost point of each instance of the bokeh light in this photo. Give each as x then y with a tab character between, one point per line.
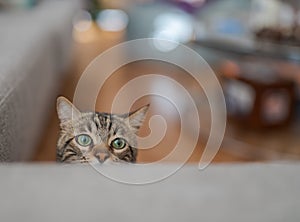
112	20
175	27
82	21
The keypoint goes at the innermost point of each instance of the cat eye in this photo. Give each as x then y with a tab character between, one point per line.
84	140
118	143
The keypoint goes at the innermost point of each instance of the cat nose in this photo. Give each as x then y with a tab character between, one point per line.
102	155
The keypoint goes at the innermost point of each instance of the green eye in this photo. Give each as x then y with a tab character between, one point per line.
118	143
84	140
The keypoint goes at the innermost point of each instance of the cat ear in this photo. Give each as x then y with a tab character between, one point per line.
66	110
137	117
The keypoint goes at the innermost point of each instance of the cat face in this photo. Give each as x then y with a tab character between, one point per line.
97	137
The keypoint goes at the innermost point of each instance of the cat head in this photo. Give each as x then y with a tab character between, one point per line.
97	137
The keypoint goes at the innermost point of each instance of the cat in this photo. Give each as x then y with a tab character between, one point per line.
94	137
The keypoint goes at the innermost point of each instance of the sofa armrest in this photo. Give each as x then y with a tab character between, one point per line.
35	50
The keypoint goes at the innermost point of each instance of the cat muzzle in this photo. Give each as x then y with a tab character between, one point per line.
102	155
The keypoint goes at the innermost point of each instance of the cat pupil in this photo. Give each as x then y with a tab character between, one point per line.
119	143
84	140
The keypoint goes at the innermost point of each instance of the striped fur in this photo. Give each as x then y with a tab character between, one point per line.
102	128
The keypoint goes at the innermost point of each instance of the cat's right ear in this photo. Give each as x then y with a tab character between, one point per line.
66	110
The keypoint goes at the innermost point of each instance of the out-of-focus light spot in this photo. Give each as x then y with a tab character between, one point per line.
164	41
174	27
112	20
82	21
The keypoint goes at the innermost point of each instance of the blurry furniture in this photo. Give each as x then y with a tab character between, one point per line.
257	94
35	51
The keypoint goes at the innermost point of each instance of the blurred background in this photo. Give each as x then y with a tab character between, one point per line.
253	46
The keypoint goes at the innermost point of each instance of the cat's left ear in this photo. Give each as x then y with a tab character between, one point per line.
137	117
66	110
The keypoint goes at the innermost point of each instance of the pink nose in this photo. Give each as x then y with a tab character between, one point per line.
102	156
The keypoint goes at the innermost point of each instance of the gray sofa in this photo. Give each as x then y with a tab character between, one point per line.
225	193
35	49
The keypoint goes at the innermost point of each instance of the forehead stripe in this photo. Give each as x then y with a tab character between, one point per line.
116	129
89	127
110	124
97	122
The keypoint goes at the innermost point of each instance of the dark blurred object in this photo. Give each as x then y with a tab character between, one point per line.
276	22
94	6
257	95
291	37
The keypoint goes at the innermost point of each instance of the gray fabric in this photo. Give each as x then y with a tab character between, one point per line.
34	51
247	193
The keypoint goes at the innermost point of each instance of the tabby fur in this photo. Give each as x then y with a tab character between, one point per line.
99	132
